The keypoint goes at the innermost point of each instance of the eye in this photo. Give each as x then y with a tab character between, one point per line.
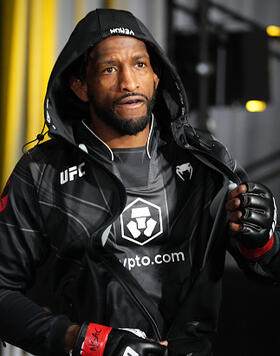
109	70
141	64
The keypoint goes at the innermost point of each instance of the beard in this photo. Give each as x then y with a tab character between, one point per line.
128	126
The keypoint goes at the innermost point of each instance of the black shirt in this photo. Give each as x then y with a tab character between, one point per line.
166	216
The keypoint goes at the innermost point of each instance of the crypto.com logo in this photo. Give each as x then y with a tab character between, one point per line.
141	222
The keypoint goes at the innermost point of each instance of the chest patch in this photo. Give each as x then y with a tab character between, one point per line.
72	173
184	171
141	222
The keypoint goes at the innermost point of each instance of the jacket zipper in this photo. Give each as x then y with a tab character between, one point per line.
133	297
138	302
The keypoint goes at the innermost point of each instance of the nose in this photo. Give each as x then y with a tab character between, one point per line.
128	79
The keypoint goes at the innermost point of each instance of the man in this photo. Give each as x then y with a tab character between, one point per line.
128	205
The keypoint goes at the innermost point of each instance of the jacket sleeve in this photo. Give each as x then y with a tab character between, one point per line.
265	267
23	247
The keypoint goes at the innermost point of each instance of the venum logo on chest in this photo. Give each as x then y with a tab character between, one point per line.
185	171
72	173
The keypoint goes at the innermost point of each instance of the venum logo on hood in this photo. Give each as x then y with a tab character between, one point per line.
122	30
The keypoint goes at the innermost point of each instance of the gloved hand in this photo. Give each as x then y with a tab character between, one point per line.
252	214
98	340
189	346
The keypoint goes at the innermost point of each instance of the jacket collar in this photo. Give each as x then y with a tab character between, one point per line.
89	142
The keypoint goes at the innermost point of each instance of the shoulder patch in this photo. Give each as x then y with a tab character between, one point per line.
4	197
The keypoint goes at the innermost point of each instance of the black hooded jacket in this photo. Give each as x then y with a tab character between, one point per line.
61	200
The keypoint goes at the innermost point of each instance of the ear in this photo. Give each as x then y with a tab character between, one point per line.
156	80
79	88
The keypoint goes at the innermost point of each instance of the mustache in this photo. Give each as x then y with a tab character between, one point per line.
117	101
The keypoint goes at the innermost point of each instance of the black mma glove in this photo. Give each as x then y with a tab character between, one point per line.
258	216
189	346
99	340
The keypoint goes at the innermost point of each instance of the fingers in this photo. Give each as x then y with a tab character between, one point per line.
234	201
164	343
232	206
235	216
240	189
234	219
235	227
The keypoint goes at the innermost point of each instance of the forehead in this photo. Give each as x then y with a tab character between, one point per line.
118	45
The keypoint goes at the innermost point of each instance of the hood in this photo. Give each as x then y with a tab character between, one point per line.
63	108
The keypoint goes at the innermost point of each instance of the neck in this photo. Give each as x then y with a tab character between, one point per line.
116	140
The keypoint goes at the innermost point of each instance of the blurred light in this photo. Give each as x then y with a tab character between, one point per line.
273	31
204	68
255	105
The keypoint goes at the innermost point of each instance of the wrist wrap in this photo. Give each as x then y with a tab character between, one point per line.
91	340
257	252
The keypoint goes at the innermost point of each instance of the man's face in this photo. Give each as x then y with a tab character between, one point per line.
120	84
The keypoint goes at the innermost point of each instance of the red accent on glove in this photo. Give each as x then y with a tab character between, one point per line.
95	340
256	252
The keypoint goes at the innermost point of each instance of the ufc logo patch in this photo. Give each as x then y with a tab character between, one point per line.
72	173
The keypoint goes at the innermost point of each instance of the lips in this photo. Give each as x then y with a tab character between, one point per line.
131	100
